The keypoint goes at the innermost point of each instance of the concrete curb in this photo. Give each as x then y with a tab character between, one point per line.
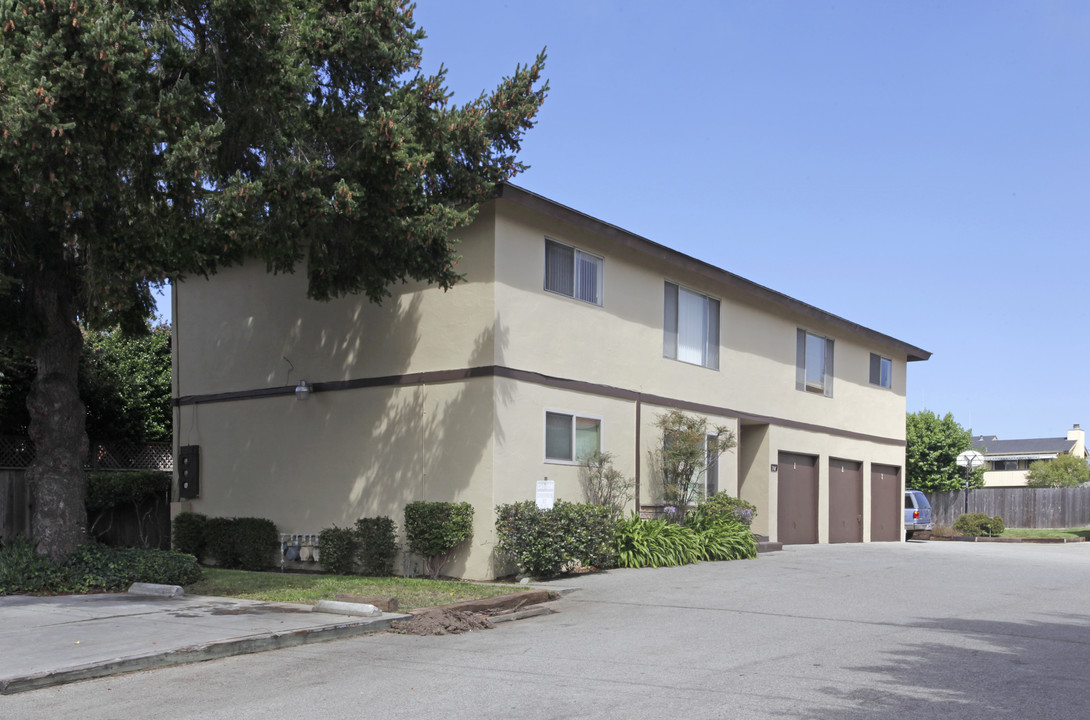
154	590
198	653
1039	541
338	607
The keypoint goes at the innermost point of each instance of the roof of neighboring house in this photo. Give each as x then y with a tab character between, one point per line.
670	256
992	446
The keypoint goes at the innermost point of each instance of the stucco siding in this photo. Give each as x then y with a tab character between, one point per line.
621	342
236	328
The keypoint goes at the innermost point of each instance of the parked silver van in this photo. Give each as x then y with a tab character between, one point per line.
917	513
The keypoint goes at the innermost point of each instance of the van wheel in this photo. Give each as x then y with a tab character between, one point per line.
909	534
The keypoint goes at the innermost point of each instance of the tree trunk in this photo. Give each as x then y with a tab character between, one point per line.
58	424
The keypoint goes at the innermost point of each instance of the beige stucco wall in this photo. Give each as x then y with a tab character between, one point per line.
620	343
1005	478
235	329
337	457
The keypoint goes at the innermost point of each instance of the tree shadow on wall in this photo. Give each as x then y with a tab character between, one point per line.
983	669
428	441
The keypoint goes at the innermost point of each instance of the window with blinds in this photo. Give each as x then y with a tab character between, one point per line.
572	272
690	327
570	437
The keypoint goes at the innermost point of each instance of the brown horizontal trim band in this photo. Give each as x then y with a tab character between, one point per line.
443	376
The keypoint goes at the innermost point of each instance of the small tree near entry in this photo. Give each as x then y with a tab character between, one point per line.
681	458
1064	471
931	453
605	485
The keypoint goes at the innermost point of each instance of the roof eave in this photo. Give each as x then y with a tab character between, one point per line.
680	260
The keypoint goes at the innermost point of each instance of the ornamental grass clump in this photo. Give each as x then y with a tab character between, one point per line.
655	543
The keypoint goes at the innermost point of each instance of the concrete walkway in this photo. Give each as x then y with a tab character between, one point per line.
48	641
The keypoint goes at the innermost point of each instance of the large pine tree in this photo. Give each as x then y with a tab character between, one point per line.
147	140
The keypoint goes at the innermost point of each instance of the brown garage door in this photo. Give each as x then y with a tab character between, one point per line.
885	503
845	501
797	499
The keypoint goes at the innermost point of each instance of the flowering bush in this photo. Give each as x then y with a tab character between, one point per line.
722	505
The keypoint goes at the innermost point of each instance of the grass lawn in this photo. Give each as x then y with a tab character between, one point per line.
310	588
1083	532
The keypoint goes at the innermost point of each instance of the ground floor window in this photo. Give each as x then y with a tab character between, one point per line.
570	437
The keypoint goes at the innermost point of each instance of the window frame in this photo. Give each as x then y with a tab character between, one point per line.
576	273
802	346
671	325
878	363
573	419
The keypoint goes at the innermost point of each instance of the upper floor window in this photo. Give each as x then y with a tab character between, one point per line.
814	363
690	327
881	371
570	438
572	272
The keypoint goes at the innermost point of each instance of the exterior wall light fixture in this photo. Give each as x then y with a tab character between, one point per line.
303	390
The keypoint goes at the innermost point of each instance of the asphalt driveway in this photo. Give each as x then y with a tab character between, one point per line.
916	630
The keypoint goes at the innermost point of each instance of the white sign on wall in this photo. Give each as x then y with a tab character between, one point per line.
546	493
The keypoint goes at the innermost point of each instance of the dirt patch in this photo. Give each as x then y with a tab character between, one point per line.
442	621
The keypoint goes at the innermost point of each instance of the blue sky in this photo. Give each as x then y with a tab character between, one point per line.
920	168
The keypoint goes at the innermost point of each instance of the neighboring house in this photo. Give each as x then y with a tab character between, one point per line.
567	335
1006	461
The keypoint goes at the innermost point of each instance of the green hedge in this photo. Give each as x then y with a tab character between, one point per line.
368	548
91	568
378	545
337	549
239	543
106	490
722	506
188	533
979	525
545	543
436	529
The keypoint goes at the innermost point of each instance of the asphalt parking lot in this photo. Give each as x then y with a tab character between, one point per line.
914	630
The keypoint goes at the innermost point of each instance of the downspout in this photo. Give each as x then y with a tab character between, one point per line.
639	407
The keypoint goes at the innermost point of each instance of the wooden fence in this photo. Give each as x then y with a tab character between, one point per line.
14	505
145	525
1019	507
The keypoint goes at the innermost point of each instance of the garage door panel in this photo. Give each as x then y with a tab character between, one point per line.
797	500
845	501
885	503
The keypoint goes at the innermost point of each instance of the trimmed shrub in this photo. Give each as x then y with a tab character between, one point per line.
91	568
656	543
979	525
337	548
219	542
722	505
189	533
545	543
378	544
95	567
107	490
245	543
436	529
257	539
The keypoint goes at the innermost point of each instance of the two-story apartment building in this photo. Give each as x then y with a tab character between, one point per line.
568	334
